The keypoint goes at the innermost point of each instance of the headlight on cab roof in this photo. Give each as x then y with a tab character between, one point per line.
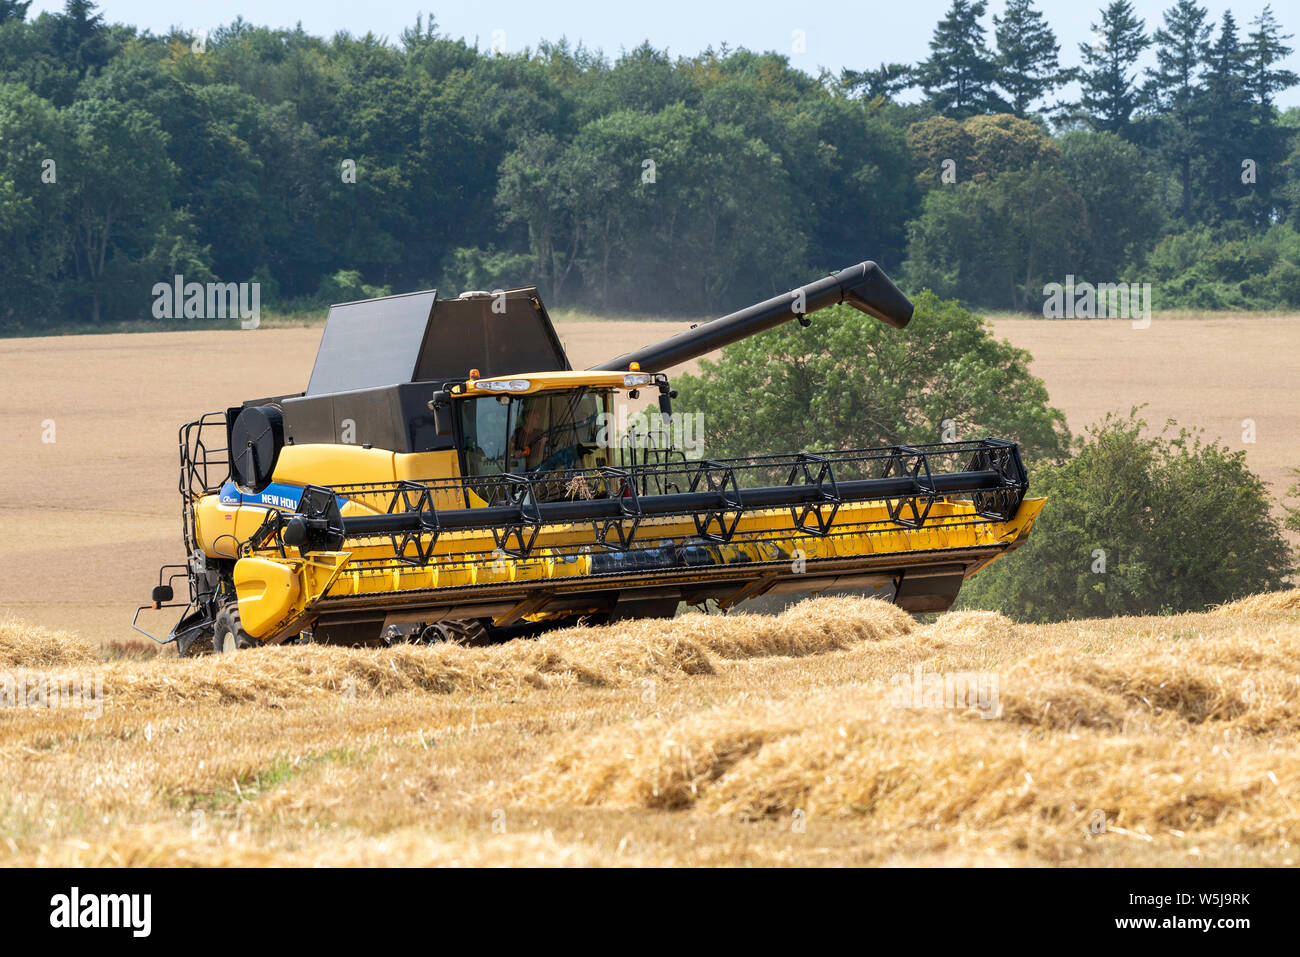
637	378
503	385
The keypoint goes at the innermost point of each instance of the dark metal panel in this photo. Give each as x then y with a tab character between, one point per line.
366	418
418	338
395	417
466	334
919	594
371	343
309	420
412	408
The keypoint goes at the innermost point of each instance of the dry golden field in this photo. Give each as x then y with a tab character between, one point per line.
706	740
745	740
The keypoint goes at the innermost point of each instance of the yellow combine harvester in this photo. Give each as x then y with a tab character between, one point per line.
447	476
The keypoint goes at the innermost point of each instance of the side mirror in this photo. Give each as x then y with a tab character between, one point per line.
441	406
666	397
162	594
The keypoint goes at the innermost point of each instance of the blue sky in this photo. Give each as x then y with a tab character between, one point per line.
836	34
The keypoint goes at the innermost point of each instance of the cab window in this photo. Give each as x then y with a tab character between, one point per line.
483	424
549	431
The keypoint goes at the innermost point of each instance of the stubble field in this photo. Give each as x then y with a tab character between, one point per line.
763	740
821	736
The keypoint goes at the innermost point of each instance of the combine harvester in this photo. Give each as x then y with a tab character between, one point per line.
447	476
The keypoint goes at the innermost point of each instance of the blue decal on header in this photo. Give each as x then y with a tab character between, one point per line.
276	495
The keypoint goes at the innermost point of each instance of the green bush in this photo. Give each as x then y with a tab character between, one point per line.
1199	269
1293	511
1138	524
346	286
468	268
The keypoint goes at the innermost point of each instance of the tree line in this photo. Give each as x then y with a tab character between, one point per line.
336	168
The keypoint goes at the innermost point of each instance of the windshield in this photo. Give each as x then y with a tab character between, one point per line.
546	432
484	425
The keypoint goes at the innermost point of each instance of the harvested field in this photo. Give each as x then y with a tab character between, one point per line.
839	732
1257	604
812	737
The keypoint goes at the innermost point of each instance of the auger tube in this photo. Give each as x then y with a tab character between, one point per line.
864	287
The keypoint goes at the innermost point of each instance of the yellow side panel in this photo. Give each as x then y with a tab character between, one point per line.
220	528
418	466
353	465
267	591
425	465
333	465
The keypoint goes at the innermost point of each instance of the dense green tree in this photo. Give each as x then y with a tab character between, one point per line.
1201	268
1029	65
1138	524
1010	221
980	147
215	166
13	10
35	192
666	195
81	36
292	158
537	192
850	381
643	79
28	55
1174	87
292	194
125	234
1265	49
1227	136
942	152
961	73
1123	197
852	194
721	201
1108	76
998	242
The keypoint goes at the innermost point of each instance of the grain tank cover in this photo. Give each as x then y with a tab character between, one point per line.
418	337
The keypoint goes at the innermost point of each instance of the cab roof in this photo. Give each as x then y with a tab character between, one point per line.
534	382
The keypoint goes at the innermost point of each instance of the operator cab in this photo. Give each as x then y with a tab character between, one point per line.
546	432
554	422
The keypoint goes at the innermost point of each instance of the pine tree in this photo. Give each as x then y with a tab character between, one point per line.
1173	86
1266	47
886	81
81	36
1227	135
959	76
1029	65
1110	95
13	10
